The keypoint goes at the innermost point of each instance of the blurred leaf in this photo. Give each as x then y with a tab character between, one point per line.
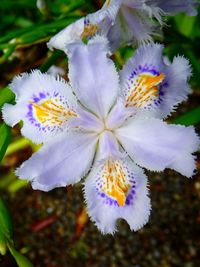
6	96
6	233
6	180
5	227
189	118
17	185
5	4
59	7
21	260
23	22
14	34
44	30
38	31
5	134
3	243
5	221
185	24
18	144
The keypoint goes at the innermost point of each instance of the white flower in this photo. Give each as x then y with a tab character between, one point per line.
123	22
103	126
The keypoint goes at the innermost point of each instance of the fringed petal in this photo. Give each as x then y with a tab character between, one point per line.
117	189
44	103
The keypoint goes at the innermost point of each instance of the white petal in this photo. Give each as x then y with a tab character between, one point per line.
93	76
185	164
105	207
12	114
148	83
133	25
156	145
70	34
177	89
63	161
44	104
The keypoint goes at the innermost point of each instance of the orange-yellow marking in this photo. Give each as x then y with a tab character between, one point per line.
51	112
145	88
107	2
90	30
115	184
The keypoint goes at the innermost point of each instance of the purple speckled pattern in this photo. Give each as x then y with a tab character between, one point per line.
130	176
129	199
38	99
86	21
161	88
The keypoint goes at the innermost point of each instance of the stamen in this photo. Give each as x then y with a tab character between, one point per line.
107	2
90	30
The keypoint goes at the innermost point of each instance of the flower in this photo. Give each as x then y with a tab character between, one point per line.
96	23
123	22
106	128
173	7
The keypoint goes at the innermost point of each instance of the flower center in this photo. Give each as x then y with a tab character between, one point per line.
104	127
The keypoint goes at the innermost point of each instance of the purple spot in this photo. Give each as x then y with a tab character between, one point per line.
42	95
36	99
161	93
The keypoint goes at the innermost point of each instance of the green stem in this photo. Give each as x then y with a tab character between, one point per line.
51	60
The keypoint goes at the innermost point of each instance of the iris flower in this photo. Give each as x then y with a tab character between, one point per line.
106	127
123	22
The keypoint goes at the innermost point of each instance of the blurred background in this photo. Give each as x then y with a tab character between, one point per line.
52	229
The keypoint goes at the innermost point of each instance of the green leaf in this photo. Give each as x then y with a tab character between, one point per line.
14	34
6	229
6	96
185	24
3	241
39	30
6	233
21	260
189	118
5	134
42	31
5	220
